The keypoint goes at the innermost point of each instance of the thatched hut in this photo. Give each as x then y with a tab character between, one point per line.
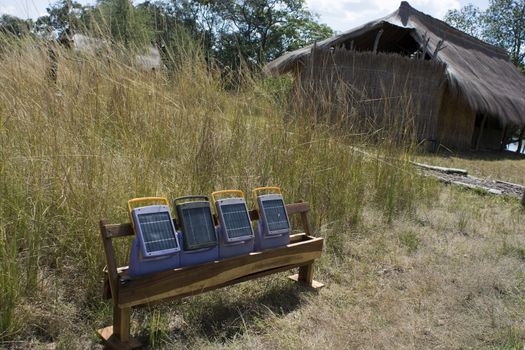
480	101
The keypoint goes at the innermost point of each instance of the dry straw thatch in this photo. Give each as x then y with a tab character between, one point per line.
480	73
386	89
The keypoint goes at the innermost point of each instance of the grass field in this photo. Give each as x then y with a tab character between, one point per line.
408	263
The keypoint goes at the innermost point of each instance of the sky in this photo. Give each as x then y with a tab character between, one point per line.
340	15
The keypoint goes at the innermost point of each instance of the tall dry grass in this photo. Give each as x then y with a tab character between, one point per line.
75	151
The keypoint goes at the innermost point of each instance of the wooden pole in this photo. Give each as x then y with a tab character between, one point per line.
481	131
376	42
439	47
520	139
523	199
503	135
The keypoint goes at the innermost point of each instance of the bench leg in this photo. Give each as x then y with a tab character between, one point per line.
121	322
306	276
117	336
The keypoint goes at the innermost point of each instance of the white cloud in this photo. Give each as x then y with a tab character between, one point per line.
347	14
24	8
29	8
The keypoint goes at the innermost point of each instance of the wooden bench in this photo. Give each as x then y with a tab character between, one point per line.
173	284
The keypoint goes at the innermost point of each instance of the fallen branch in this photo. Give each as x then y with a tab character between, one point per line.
471	186
510	183
441	169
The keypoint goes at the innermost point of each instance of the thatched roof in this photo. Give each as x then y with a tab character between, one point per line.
480	72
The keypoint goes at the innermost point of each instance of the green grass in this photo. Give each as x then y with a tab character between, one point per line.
75	152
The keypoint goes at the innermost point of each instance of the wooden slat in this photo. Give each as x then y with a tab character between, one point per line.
306	223
315	284
110	258
229	283
219	273
295	208
298	237
119	230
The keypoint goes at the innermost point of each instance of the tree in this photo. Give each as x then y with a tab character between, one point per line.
62	16
125	22
502	24
505	27
468	19
231	31
258	31
15	26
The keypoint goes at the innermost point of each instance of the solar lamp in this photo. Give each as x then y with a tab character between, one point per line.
156	246
197	234
235	228
273	226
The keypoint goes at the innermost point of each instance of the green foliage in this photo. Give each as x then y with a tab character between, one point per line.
62	16
468	19
261	30
127	23
235	33
15	26
502	24
505	27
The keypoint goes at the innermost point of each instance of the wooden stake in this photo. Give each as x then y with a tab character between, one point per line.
376	42
439	47
503	135
520	139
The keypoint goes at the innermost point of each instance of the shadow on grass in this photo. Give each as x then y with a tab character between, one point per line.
222	315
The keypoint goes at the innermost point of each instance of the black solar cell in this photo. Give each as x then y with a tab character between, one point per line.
198	228
236	220
157	232
275	214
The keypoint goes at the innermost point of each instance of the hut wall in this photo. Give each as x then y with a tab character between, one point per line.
456	123
378	90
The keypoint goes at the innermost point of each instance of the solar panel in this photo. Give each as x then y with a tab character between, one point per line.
236	220
275	214
197	226
157	232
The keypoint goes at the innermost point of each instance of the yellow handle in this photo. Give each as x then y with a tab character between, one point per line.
164	200
266	188
145	199
239	193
